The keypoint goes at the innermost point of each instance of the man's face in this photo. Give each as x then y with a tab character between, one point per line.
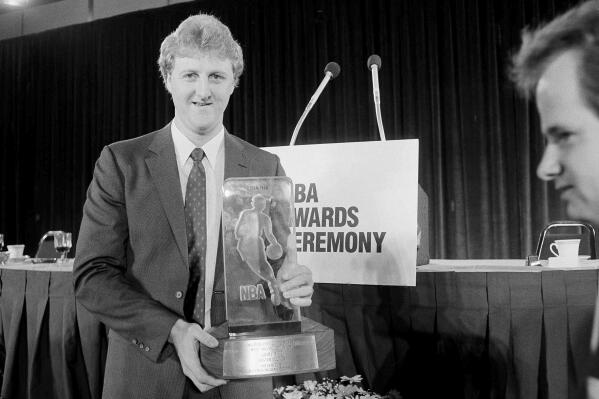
200	87
571	157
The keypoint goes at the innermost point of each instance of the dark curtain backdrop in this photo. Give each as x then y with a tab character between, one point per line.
68	92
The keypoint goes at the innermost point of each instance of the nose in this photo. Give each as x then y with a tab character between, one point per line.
549	167
202	88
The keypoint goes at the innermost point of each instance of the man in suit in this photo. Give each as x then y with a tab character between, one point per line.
559	64
149	261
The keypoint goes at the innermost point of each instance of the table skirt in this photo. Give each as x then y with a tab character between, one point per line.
465	335
51	347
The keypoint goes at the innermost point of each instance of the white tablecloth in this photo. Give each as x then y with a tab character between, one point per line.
29	265
499	265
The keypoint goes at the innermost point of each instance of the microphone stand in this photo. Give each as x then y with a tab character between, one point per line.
325	80
377	100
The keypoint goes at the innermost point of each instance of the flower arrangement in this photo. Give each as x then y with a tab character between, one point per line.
344	388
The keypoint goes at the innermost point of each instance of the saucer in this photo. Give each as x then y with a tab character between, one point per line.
43	260
562	261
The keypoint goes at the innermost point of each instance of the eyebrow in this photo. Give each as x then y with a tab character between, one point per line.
212	71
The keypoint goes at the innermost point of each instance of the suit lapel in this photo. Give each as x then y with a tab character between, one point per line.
162	164
236	162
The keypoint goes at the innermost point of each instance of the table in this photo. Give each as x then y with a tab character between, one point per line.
50	346
469	329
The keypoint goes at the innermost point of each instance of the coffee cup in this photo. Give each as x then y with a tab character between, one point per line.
565	248
16	251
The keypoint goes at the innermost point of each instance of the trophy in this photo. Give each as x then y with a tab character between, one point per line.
264	334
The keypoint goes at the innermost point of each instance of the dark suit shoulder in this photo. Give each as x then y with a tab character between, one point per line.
252	151
260	162
136	142
137	146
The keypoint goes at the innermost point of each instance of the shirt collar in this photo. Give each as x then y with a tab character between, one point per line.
184	146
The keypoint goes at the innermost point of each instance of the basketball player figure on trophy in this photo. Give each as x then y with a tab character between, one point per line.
252	225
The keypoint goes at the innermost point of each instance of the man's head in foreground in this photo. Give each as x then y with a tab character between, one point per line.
558	65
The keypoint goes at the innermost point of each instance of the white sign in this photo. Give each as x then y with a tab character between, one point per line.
355	208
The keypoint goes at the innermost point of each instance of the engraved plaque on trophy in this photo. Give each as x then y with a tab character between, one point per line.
264	334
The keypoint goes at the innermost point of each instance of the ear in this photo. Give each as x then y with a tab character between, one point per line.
233	86
168	82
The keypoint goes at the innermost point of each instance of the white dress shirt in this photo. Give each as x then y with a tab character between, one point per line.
214	165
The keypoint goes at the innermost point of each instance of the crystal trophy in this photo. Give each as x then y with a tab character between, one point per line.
265	335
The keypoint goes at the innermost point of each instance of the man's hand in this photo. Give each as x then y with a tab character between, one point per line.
187	337
296	284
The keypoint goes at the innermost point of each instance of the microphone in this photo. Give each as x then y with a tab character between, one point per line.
331	71
374	64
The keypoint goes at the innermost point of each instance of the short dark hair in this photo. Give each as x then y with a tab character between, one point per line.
576	29
200	33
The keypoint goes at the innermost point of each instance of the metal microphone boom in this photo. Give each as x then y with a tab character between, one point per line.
374	64
331	71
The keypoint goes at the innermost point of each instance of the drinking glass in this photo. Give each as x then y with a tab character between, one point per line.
62	243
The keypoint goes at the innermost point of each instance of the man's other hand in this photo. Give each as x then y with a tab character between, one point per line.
186	337
296	284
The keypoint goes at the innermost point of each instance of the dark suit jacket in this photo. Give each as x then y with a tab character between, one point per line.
131	267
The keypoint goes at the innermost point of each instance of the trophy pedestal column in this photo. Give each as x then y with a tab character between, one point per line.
254	356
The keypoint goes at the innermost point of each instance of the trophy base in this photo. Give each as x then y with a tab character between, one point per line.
250	356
